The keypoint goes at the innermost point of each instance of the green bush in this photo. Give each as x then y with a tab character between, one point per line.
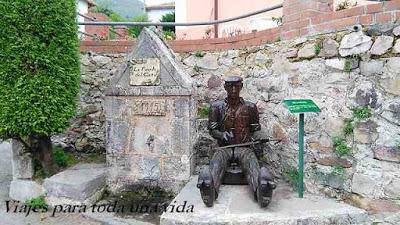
347	65
37	203
292	175
317	48
39	70
199	54
348	127
63	159
134	31
169	35
204	111
338	171
362	113
340	147
169	17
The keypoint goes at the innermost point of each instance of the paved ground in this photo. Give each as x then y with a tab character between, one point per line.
238	203
36	218
235	205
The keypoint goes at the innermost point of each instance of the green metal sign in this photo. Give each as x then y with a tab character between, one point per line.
301	105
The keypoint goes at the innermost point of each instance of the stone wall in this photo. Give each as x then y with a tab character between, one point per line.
353	76
87	130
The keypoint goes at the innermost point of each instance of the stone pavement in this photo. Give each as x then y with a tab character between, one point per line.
36	218
235	206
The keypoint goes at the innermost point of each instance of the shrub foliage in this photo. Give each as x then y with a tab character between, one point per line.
169	17
39	68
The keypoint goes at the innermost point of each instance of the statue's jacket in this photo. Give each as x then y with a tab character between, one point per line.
242	121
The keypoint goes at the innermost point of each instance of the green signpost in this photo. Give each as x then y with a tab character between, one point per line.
301	106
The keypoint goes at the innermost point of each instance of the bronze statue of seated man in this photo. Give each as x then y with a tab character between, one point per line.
233	121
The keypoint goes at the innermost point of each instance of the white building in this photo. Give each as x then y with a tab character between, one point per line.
83	8
155	9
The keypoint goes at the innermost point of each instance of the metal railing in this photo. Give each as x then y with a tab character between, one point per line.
108	23
89	35
93	19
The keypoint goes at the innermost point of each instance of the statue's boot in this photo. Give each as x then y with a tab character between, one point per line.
266	185
206	185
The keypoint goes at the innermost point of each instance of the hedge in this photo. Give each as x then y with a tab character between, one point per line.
39	67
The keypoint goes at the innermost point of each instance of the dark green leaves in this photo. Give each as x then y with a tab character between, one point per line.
39	66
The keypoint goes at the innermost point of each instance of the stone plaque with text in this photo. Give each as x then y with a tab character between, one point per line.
149	107
145	71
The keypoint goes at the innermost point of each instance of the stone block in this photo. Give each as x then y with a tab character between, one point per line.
208	61
340	63
392	190
214	81
177	168
78	183
379	206
181	107
100	60
376	179
372	67
334	161
382	45
396	47
23	190
22	166
307	51
325	176
180	133
118	136
355	43
114	107
150	136
373	205
363	184
365	94
257	58
390	80
235	205
290	53
391	111
146	167
391	154
396	31
329	48
388	132
279	133
365	132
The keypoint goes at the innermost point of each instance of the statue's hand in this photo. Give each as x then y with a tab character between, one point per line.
227	136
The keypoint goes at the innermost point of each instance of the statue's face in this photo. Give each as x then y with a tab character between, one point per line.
233	89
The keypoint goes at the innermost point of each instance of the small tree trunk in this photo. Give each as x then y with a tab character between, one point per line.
45	154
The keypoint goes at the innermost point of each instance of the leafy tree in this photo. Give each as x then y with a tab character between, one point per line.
134	31
39	73
102	9
169	17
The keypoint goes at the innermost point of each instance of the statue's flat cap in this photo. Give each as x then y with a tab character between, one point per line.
233	79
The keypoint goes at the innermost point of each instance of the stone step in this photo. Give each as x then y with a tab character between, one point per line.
235	205
81	184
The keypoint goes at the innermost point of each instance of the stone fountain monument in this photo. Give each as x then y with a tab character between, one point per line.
150	116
